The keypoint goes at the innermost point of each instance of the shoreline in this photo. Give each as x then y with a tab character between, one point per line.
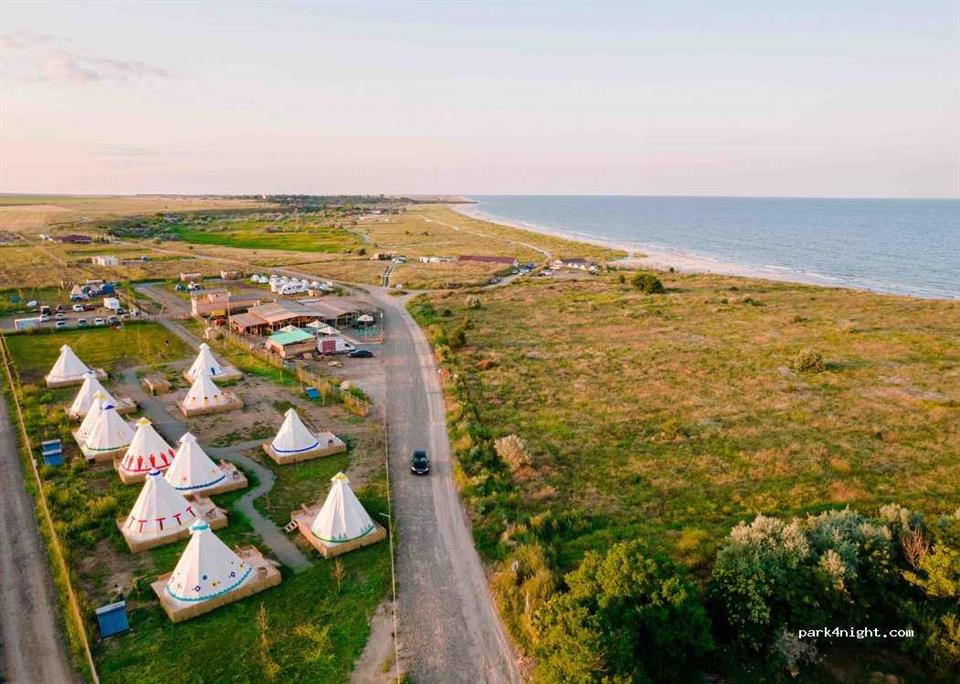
658	258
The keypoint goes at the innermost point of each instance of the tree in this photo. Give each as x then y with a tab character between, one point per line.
627	616
647	283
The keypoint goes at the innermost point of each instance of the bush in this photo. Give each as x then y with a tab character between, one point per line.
513	452
647	283
626	617
808	361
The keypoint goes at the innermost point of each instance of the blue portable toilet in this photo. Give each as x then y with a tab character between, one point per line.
52	452
112	619
107	288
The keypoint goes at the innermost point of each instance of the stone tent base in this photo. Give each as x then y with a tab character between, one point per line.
133	478
305	517
215	517
229	374
54	384
124	406
233	402
265	575
334	445
99	456
233	481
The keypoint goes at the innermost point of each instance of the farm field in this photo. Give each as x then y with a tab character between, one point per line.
254	235
308	628
673	417
29	213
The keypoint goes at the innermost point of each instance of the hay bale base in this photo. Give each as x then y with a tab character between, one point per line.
123	406
155	384
229	374
265	575
334	446
54	384
233	481
305	517
207	510
233	402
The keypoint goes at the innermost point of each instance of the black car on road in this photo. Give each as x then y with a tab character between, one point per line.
419	463
361	354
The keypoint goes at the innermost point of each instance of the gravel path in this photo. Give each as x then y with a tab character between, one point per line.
172	429
31	645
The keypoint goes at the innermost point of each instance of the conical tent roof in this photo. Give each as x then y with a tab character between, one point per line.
159	510
205	361
109	433
207	569
67	366
89	420
293	436
192	469
84	398
204	392
147	450
342	518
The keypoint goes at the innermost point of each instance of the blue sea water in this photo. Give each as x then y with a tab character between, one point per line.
886	245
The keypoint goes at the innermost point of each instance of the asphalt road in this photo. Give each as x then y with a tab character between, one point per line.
449	626
31	645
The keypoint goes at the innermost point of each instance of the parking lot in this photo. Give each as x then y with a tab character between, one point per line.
92	315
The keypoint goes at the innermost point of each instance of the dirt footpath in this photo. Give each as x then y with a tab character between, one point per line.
31	646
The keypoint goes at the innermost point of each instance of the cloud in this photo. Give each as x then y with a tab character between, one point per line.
41	57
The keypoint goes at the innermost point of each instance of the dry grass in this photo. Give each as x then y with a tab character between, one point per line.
674	416
32	212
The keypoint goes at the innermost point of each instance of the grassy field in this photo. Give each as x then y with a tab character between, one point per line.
310	236
673	417
29	213
307	629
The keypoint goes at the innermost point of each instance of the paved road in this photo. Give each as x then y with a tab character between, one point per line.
31	645
449	626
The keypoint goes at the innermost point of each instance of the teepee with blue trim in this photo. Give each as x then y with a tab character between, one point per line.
207	569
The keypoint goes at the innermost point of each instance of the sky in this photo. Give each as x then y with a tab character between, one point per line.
831	99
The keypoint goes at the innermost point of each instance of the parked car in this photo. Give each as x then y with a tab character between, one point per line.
419	463
361	354
60	316
44	317
78	308
113	320
60	325
99	321
59	308
81	322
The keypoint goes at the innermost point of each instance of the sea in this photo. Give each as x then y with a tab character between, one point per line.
899	246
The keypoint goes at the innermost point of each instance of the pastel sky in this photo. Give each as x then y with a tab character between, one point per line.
715	98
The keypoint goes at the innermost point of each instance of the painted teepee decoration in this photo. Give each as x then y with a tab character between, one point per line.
109	433
342	518
159	511
192	470
67	368
204	393
147	451
93	414
207	363
84	399
207	569
293	436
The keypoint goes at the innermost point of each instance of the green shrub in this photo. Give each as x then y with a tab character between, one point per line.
647	283
808	361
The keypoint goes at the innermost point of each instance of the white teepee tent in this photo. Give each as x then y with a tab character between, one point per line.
293	436
84	399
342	518
67	367
147	451
192	469
159	511
205	362
203	393
89	420
207	569
109	433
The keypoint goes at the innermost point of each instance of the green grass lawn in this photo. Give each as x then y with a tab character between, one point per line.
253	235
314	631
134	344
